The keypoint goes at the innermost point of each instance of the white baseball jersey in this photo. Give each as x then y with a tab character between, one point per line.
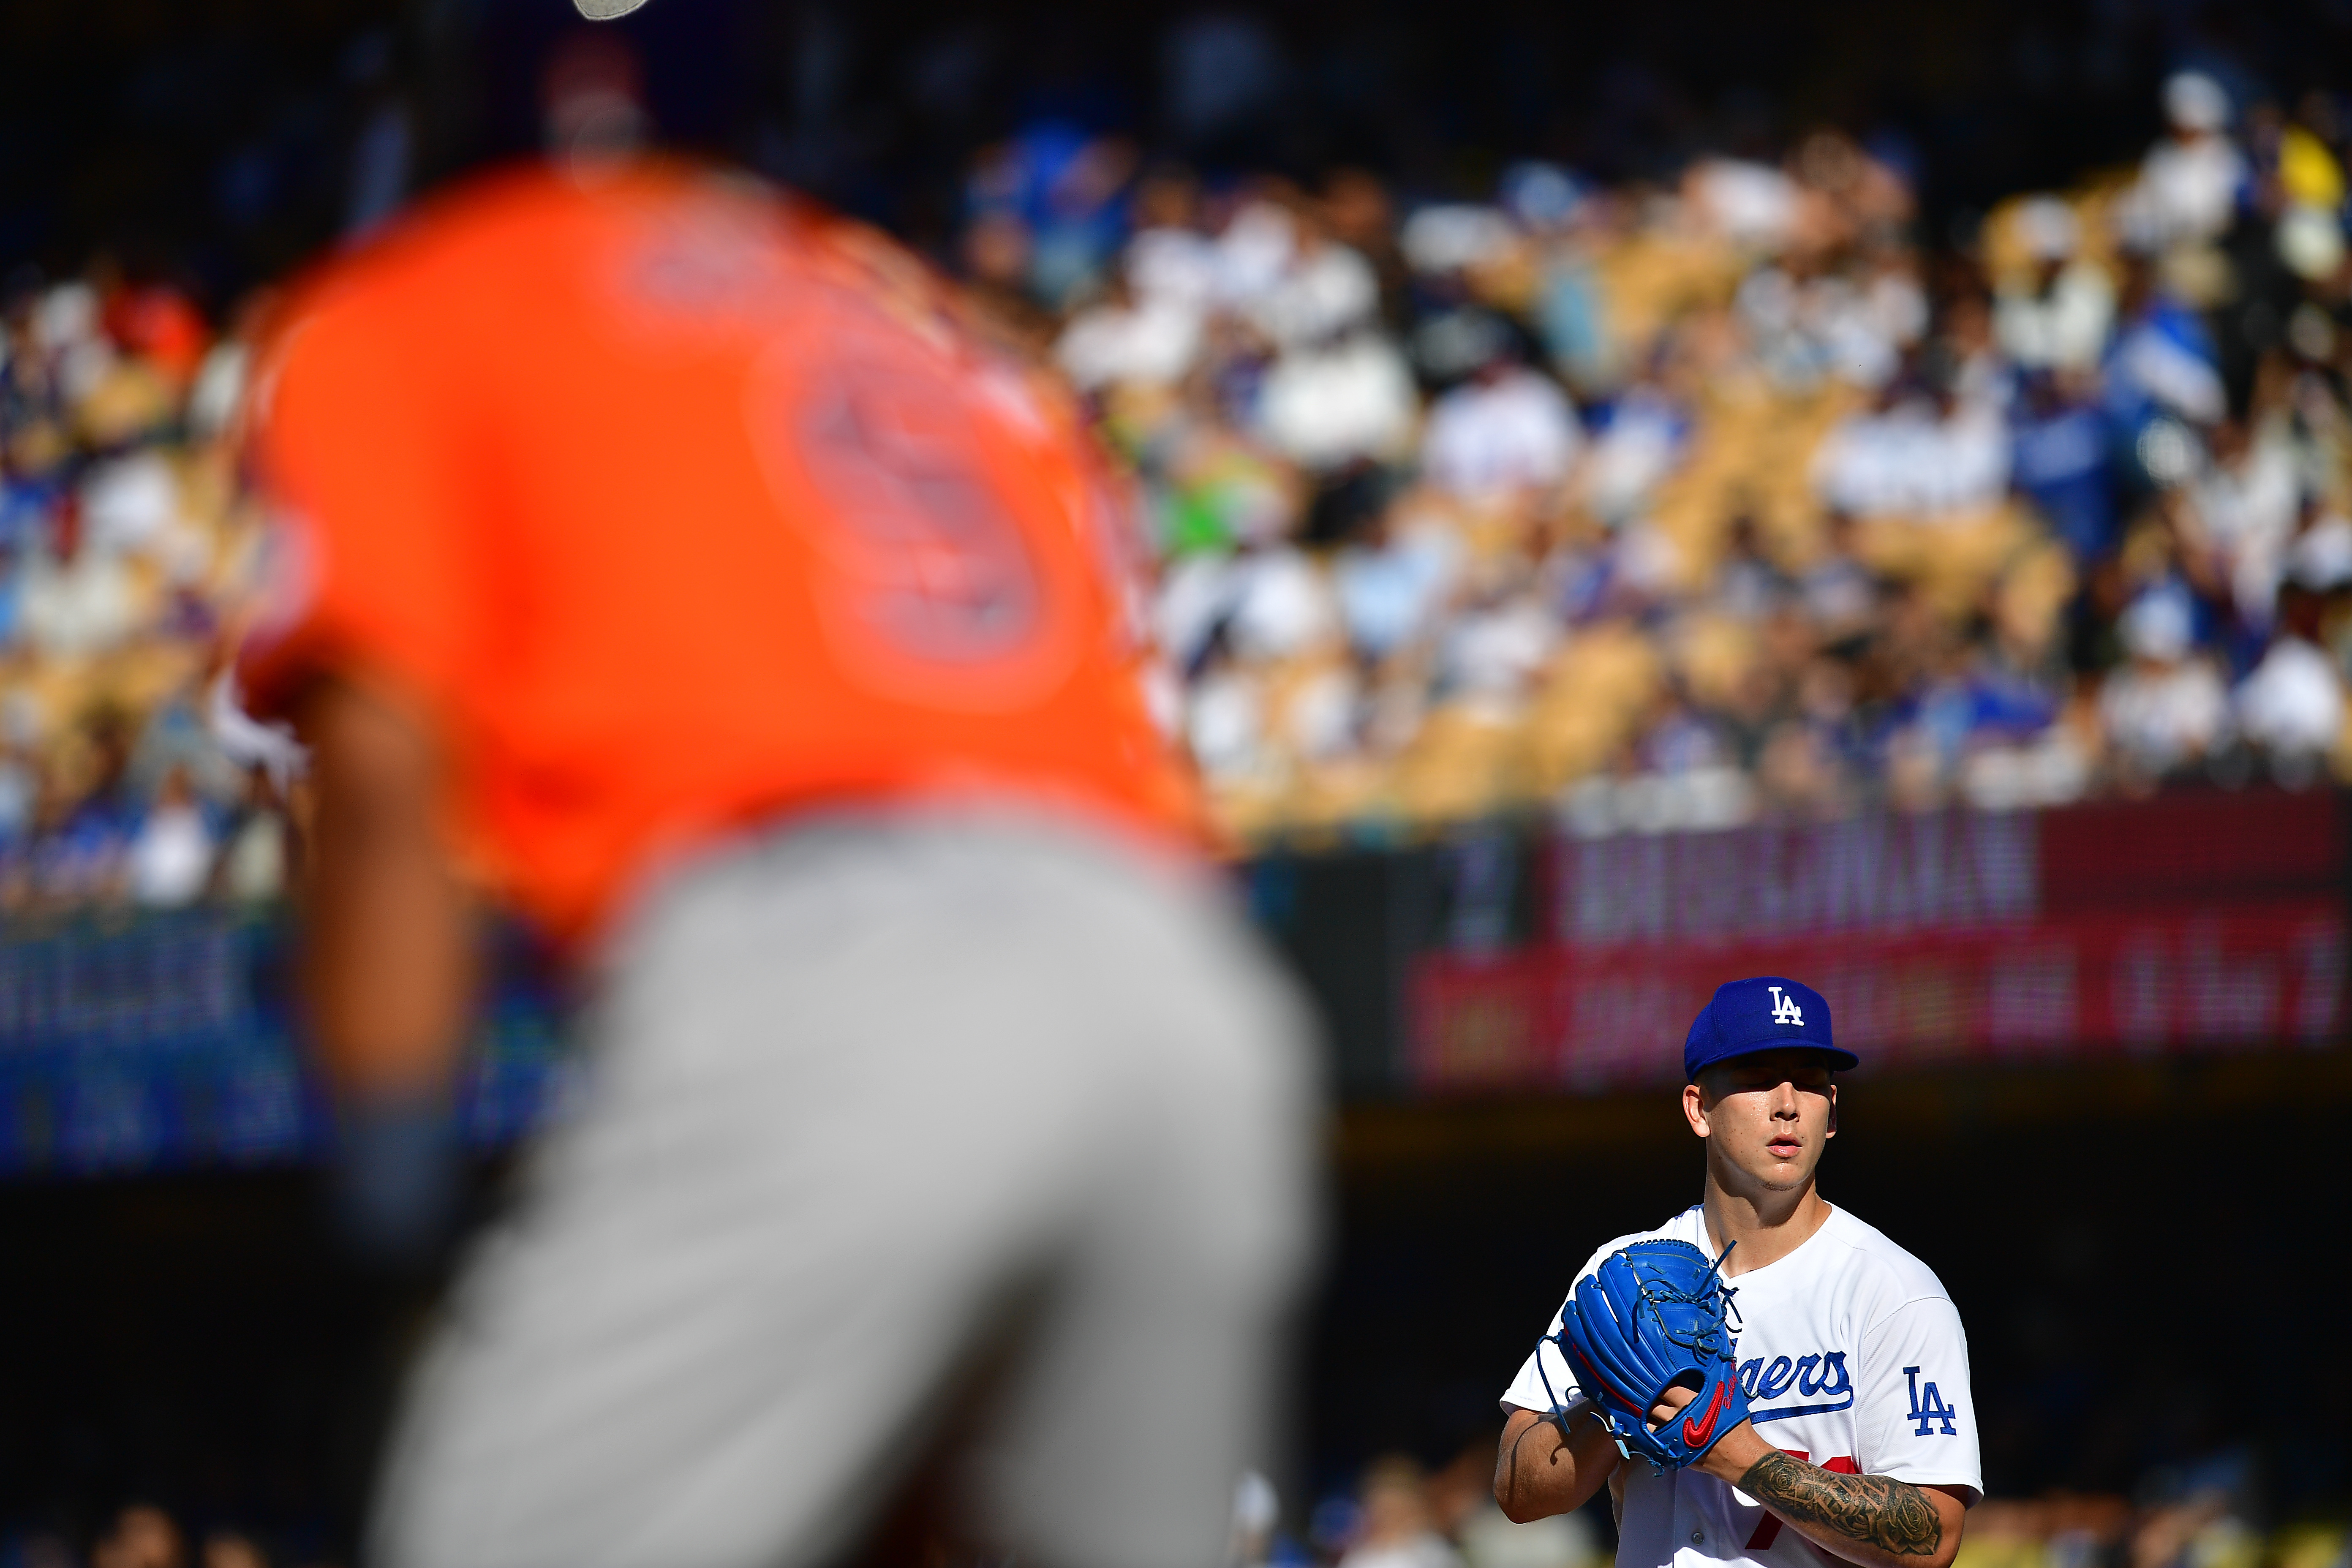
1852	1357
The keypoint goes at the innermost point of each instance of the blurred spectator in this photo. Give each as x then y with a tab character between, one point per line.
1058	188
1393	582
2248	505
253	867
142	1537
1396	1529
1257	1510
2161	364
2190	181
2292	706
1928	453
2058	315
171	856
2059	461
2166	708
228	1549
1506	429
77	598
1150	339
1328	404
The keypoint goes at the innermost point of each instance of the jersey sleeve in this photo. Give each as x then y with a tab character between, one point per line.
358	451
1544	1380
1916	1416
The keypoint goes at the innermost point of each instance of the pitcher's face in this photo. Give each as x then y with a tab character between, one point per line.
1767	1116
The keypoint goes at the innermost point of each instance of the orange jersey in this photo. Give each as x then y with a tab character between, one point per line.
675	504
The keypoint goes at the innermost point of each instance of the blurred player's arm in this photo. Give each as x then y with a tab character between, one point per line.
390	967
1539	1472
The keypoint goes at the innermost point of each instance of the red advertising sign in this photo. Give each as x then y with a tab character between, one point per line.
2214	923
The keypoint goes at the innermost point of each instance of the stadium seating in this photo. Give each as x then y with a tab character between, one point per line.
1711	487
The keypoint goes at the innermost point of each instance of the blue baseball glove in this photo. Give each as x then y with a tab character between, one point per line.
1650	1317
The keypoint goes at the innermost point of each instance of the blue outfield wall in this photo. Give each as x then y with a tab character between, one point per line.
166	1041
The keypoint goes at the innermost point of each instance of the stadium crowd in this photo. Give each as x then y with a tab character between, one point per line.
2198	1516
1674	505
126	774
1400	1515
1659	505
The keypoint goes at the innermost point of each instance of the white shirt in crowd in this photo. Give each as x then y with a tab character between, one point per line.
1325	406
1908	462
1752	205
2187	189
2249	508
1152	342
2293	703
2066	325
1853	1358
1325	290
2164	715
1518	431
171	858
1173	264
75	607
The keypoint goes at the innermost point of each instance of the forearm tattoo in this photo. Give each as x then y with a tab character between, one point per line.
1877	1510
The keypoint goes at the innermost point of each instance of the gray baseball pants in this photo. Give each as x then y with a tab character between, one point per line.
867	1097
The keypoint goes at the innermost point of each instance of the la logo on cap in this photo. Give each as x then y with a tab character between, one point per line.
1785	1009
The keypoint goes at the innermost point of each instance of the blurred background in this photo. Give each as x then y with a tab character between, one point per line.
1646	494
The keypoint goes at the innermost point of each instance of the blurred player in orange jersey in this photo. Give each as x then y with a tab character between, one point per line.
670	556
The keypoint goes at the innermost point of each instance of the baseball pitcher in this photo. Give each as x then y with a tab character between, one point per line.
1764	1374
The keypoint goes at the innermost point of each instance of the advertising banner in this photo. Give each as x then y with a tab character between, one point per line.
2206	923
162	1041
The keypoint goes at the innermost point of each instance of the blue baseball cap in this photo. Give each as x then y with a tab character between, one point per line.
1766	1013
